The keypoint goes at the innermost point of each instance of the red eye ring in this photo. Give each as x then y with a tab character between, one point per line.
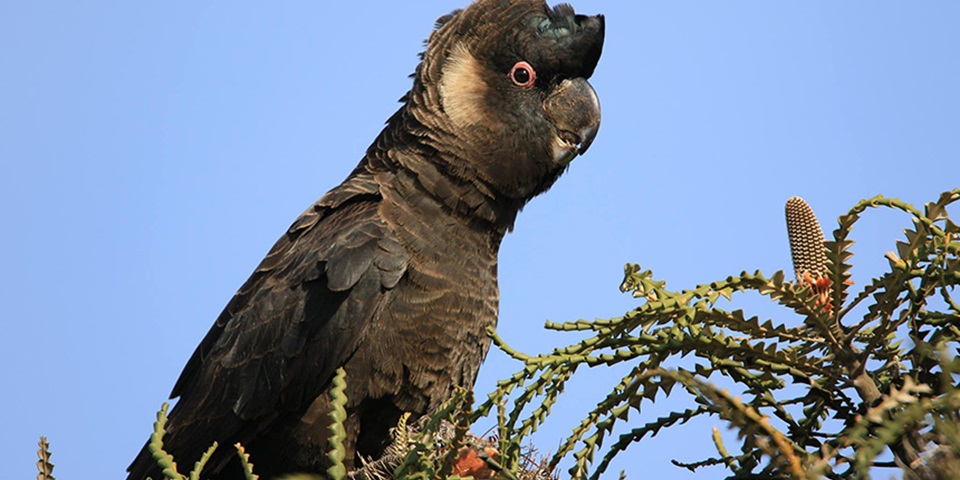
523	75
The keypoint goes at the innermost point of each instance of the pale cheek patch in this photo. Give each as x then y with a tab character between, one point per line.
462	90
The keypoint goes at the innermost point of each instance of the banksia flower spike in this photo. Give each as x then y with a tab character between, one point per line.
807	249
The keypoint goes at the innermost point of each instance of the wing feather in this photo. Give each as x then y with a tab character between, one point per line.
298	317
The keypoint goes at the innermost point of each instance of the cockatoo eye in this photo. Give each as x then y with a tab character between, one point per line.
523	75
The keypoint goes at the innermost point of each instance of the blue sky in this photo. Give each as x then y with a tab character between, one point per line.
150	154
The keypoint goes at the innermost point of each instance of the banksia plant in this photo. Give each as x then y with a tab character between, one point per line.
826	388
435	447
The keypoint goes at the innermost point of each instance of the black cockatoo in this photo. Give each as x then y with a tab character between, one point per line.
392	275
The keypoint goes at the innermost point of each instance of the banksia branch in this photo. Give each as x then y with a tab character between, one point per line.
245	463
338	435
44	465
807	249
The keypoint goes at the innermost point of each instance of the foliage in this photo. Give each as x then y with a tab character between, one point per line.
166	461
822	391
